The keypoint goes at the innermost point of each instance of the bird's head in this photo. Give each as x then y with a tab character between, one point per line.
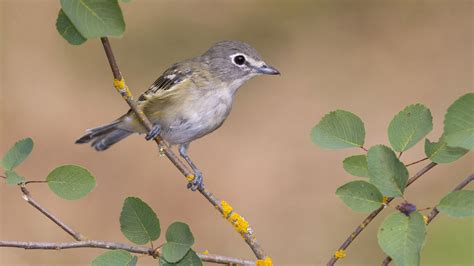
234	61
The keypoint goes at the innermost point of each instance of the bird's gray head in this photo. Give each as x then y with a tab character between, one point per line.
236	61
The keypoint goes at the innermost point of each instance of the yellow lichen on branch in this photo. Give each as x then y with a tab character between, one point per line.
190	178
226	208
425	219
239	223
340	254
265	262
122	88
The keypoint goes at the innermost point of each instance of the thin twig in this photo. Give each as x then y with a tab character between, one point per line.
460	186
248	235
421	173
27	196
435	211
419	161
112	245
35	181
372	215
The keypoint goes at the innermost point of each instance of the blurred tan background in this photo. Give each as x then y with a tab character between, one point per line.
369	57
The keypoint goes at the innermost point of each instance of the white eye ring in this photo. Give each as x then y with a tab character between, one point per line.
239	59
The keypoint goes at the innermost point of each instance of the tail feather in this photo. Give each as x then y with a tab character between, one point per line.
104	136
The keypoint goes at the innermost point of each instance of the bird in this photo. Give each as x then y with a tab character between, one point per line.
191	99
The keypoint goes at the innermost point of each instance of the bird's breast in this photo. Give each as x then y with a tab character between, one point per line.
201	113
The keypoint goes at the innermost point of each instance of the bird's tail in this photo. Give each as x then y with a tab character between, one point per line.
104	136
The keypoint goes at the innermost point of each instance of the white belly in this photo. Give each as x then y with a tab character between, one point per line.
201	115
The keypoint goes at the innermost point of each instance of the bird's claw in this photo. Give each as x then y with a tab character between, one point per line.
153	133
197	182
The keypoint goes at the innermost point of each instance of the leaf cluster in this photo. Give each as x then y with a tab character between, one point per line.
67	181
138	222
401	235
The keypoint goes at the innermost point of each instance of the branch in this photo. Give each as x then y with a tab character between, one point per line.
111	245
372	215
415	162
237	221
27	196
435	211
83	243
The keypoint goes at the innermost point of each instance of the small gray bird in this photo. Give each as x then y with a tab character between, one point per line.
189	100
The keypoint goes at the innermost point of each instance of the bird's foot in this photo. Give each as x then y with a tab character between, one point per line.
154	132
196	181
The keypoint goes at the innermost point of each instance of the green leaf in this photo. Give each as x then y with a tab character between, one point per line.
180	233
339	129
360	196
17	154
95	18
459	123
115	258
401	237
191	259
179	240
70	182
458	203
386	172
163	262
13	178
138	222
440	152
67	29
409	126
356	165
174	252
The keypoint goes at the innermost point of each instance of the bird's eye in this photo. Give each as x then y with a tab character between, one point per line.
239	60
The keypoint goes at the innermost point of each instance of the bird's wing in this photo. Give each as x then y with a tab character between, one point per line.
167	82
166	95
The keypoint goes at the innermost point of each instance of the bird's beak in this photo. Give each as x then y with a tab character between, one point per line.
267	70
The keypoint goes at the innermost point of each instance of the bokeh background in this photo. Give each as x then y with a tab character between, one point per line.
370	57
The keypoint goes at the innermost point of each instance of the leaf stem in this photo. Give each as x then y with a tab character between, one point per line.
424	209
374	214
435	211
35	181
415	162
